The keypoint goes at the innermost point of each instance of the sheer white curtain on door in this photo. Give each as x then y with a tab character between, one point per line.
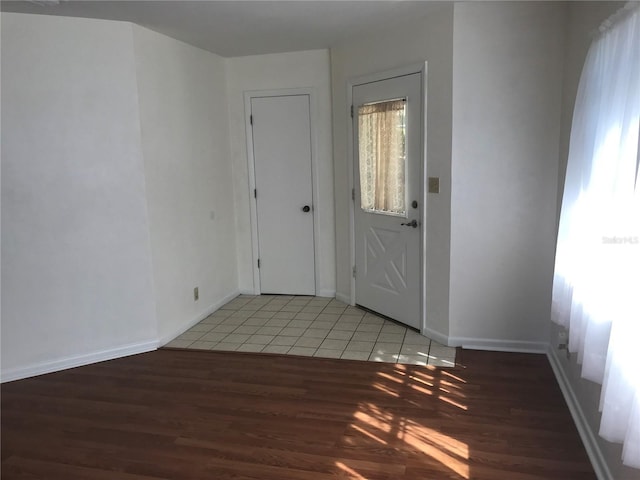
381	142
597	274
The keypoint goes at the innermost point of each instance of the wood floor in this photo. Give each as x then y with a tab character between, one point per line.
213	415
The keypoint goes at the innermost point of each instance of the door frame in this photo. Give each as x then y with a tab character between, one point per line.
374	77
251	173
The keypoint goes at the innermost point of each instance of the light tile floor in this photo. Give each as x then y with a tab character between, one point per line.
311	326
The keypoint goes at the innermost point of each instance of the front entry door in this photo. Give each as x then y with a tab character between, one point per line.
281	132
388	196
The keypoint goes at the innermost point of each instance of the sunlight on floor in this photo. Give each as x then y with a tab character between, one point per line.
350	471
369	434
390	429
449	452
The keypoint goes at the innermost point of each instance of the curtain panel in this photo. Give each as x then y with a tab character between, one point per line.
381	146
596	291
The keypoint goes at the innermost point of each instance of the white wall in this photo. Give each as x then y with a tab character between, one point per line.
507	79
583	18
307	69
76	266
428	39
185	141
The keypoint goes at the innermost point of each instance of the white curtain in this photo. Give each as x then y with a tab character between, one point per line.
381	146
597	274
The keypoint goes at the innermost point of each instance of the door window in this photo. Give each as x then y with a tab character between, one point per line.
382	156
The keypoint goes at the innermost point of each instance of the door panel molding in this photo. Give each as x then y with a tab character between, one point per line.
251	171
371	78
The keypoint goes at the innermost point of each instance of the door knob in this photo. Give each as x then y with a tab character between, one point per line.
412	223
306	208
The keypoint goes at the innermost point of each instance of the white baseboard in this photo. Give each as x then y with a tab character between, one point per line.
343	298
320	293
434	335
587	435
77	360
108	354
497	345
208	311
326	293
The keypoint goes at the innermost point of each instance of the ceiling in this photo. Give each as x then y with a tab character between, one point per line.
238	28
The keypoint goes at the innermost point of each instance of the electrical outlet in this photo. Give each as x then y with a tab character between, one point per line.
563	339
563	342
196	294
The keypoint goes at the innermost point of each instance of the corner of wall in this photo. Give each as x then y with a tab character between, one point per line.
166	337
188	177
134	45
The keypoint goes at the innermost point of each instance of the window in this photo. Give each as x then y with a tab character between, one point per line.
382	156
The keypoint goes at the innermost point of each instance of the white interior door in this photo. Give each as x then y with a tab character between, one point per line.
281	133
388	197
